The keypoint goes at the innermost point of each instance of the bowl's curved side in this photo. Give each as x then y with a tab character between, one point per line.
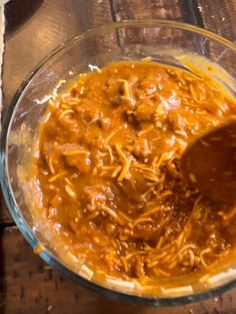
18	217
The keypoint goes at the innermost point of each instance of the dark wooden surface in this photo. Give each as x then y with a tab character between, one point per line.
33	29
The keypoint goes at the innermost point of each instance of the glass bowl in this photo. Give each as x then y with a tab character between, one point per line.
167	42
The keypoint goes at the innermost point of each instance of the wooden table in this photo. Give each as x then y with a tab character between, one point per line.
34	28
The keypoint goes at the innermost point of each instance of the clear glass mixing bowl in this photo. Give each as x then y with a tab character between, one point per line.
166	42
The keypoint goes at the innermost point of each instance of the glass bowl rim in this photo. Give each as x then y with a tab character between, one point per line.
15	210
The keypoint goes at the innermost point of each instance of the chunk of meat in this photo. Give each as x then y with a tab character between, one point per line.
104	123
81	162
111	90
141	148
70	128
97	196
94	141
145	110
147	86
147	232
88	113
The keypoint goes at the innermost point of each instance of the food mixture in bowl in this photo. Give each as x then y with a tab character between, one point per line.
108	169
